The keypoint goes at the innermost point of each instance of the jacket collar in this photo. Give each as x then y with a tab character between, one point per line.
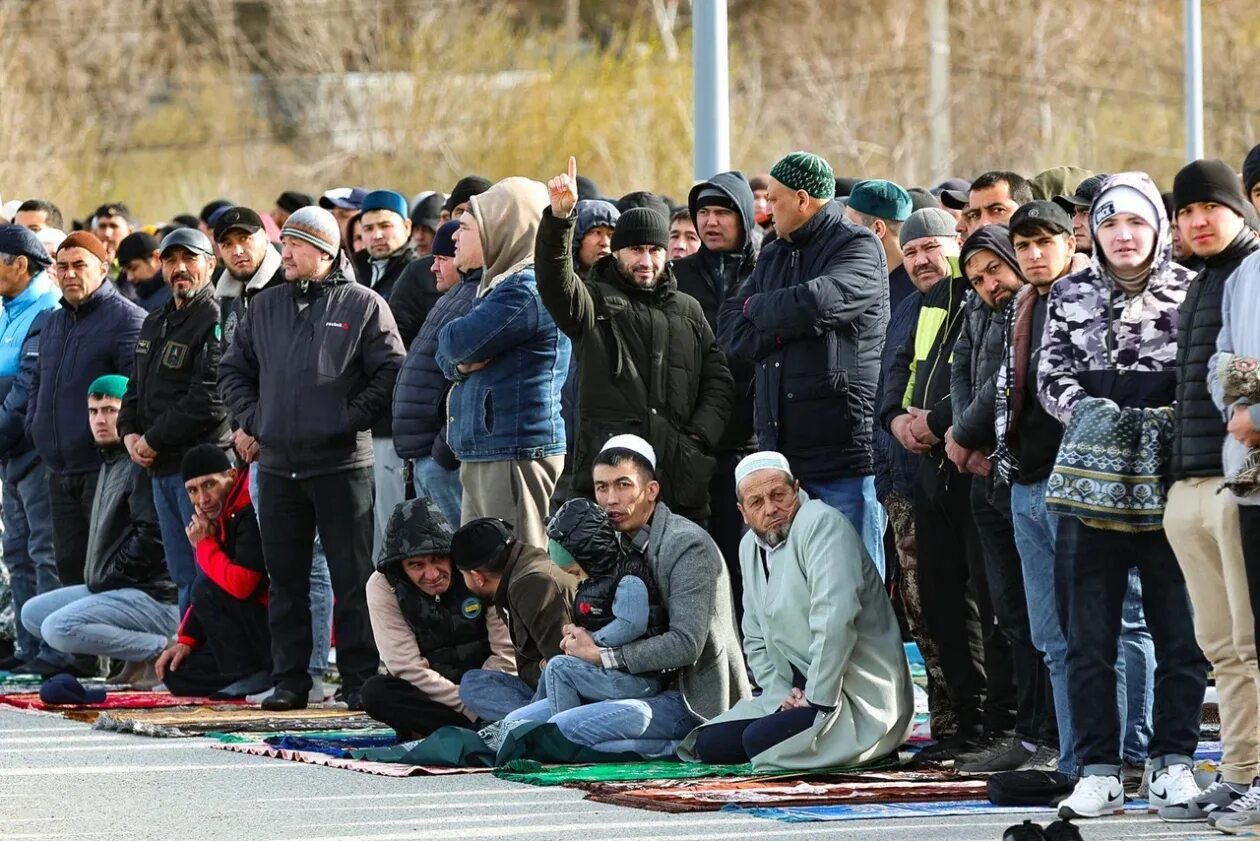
501	592
105	291
1242	245
238	497
827	215
176	314
41	284
607	271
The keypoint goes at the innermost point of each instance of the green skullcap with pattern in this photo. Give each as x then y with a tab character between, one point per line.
806	171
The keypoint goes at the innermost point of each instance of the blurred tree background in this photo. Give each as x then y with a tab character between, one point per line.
165	104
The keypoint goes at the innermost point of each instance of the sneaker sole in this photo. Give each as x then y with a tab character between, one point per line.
1069	814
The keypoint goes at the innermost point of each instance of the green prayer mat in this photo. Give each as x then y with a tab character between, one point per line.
535	774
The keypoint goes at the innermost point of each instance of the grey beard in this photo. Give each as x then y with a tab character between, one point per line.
775	539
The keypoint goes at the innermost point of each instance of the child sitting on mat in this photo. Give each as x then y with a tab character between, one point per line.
617	601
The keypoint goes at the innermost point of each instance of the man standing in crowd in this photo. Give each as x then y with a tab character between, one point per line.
988	260
532	594
927	243
915	408
647	358
172	402
250	265
881	207
430	628
141	264
312	368
420	394
812	318
1201	522
28	294
111	223
507	362
93	334
389	250
1237	350
993	197
722	211
36	215
344	203
683	239
288	203
592	235
1077	206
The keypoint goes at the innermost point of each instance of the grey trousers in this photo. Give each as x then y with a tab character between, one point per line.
516	491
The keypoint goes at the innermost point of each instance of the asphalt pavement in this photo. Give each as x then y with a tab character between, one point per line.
62	780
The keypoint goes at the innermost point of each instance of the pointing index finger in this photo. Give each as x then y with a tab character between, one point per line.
572	169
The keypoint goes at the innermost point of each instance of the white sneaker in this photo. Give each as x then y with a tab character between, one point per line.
1094	797
1174	786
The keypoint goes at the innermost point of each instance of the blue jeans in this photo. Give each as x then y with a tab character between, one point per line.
492	695
1036	531
570	682
854	497
122	624
434	481
321	594
175	512
28	549
649	727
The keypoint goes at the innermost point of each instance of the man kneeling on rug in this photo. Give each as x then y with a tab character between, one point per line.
819	635
224	644
430	628
126	608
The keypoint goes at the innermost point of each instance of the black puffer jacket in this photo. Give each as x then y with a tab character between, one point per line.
972	379
450	628
420	393
413	297
395	264
124	546
812	318
713	276
647	364
1199	429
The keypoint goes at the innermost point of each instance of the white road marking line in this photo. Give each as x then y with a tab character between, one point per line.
82	770
452	796
507	790
89	748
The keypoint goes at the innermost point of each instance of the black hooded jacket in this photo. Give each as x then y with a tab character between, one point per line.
713	276
1198	427
450	628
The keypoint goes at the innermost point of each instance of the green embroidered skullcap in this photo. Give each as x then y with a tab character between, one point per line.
806	171
110	385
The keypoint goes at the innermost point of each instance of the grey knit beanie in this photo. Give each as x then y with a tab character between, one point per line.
928	222
315	225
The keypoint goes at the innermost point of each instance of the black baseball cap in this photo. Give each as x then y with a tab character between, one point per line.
1040	214
237	219
1083	196
953	199
189	238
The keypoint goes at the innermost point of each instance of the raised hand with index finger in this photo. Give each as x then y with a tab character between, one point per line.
563	191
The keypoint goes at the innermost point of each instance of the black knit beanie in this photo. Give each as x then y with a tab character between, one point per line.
1251	169
640	226
204	460
481	544
995	238
1209	180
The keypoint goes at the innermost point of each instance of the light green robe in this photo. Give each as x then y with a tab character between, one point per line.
823	610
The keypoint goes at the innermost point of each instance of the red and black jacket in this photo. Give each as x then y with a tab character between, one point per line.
231	559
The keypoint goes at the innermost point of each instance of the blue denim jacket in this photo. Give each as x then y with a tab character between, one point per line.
509	409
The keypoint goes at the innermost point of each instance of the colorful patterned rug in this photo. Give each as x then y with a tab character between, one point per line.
363	766
197	721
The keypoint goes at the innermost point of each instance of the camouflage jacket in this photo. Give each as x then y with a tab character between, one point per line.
1093	326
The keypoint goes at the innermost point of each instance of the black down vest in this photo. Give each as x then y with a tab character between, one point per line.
450	629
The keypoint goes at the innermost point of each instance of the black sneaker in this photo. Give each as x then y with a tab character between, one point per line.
1006	755
11	662
947	750
1062	831
1026	831
283	700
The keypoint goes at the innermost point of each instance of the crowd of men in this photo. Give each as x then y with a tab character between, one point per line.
678	479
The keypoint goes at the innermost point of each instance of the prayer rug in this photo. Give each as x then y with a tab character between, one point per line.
838	789
582	776
121	700
197	721
881	811
381	769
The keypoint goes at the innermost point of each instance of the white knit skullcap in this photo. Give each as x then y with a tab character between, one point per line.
764	460
634	444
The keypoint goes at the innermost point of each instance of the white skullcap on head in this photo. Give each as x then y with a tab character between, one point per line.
765	460
633	443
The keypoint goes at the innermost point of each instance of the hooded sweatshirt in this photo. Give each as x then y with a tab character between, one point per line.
713	276
507	218
1057	181
1094	330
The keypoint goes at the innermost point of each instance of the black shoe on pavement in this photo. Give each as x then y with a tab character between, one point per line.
79	667
1004	755
283	700
1062	831
11	663
946	750
1026	831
